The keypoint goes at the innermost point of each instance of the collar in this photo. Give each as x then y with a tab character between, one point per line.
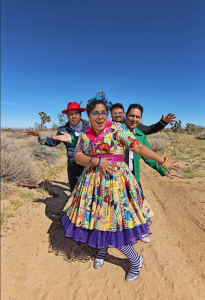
91	134
138	132
85	124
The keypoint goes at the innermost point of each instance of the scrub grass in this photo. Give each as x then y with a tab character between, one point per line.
190	151
51	155
6	213
158	141
17	163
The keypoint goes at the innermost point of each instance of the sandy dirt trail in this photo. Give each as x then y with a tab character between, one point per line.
174	262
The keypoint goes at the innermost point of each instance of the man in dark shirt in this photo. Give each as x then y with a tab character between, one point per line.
74	126
118	115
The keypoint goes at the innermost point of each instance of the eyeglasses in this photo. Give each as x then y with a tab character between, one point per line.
96	114
117	113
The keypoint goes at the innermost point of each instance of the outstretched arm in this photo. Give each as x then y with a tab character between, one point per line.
33	132
43	140
157	126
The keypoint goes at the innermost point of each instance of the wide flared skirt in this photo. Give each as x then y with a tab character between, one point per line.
101	239
107	210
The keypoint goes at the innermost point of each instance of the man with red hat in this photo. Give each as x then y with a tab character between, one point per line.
74	126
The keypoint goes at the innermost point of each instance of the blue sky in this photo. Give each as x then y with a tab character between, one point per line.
137	51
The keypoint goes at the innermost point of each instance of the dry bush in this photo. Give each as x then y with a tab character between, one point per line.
44	152
159	135
18	135
158	144
158	141
5	188
201	135
32	141
6	134
17	164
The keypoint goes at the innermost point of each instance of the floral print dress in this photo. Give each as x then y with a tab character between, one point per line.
107	210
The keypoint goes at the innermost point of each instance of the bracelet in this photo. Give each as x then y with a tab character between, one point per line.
163	163
91	161
99	162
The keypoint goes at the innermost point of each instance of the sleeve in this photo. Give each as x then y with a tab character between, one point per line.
126	137
44	140
152	128
153	164
79	145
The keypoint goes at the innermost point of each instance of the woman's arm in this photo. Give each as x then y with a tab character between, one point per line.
84	160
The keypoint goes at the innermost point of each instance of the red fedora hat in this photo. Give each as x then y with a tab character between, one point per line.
72	106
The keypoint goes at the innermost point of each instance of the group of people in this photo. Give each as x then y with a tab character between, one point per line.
107	207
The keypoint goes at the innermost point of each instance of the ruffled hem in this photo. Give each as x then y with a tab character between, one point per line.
101	239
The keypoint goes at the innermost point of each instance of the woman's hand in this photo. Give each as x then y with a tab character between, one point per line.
106	166
171	164
172	175
33	132
65	137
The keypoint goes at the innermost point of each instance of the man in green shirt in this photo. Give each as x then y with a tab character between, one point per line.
133	118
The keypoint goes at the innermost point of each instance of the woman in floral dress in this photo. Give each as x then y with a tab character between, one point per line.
107	207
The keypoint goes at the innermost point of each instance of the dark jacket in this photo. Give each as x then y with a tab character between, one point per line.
44	140
152	128
142	139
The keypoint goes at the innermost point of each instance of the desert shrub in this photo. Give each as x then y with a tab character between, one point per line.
158	141
158	144
201	135
33	141
159	135
5	188
44	152
18	135
17	164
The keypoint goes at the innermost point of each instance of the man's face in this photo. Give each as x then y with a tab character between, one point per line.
133	118
118	114
74	117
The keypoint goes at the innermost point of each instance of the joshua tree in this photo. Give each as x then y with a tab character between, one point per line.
190	127
176	126
62	119
44	118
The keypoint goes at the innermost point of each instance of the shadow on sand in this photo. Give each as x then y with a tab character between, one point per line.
58	243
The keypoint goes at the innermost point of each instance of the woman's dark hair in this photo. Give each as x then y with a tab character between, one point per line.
135	105
93	104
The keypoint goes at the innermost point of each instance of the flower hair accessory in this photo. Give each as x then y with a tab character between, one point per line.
101	96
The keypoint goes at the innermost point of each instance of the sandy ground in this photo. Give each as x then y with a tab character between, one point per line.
39	263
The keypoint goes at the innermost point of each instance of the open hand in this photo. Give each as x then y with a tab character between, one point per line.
171	164
169	118
106	166
172	175
33	132
65	137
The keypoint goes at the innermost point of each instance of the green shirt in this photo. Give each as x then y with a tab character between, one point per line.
142	139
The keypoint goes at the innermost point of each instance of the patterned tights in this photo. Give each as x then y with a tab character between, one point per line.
129	252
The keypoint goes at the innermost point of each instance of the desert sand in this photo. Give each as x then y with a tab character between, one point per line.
39	263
